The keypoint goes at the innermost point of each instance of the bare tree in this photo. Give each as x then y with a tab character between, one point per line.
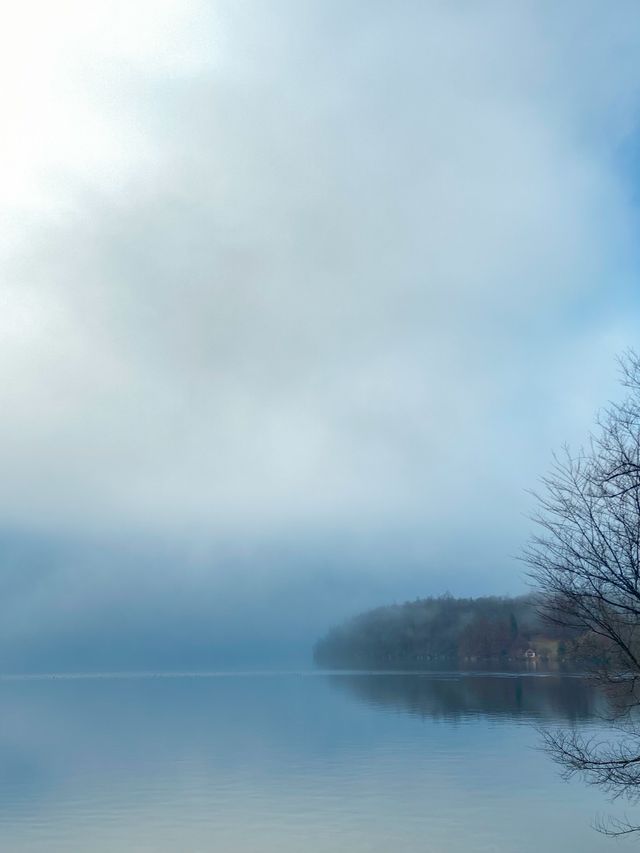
585	563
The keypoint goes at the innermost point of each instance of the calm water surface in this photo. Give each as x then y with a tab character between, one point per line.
293	763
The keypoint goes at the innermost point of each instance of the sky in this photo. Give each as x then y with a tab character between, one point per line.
296	300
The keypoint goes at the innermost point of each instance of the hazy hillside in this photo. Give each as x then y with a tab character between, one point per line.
445	628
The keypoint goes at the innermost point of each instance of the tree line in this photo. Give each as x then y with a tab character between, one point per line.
447	629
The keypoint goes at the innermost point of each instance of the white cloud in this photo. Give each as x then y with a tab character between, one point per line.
313	268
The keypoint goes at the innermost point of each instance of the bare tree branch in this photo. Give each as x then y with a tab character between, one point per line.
585	564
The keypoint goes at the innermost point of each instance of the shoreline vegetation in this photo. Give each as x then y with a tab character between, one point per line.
428	631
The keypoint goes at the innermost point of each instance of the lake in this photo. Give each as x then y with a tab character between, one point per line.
294	763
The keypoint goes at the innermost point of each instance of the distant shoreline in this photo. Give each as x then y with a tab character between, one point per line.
490	633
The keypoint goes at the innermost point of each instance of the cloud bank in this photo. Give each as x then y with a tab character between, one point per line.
302	295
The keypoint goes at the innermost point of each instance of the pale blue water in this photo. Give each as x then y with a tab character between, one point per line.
293	763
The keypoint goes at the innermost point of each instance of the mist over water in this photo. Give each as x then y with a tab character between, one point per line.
105	606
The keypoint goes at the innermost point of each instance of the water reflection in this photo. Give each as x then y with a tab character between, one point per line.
454	696
287	762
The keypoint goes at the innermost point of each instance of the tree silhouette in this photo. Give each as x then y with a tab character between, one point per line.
585	563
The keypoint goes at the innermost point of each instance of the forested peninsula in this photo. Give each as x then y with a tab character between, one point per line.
448	629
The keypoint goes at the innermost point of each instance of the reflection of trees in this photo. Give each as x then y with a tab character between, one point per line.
552	697
611	763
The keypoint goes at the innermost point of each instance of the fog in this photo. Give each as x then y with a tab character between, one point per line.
296	302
